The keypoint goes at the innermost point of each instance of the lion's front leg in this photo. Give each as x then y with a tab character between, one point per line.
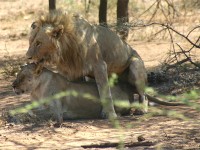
101	77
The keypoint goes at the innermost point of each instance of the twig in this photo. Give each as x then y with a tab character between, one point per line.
172	41
172	29
189	59
178	63
192	30
157	7
192	43
147	9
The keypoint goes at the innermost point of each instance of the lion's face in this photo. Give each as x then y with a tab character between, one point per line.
24	80
40	48
41	45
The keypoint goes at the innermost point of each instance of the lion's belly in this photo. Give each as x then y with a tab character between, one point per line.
118	69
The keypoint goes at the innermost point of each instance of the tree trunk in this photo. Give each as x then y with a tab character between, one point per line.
52	5
103	13
122	18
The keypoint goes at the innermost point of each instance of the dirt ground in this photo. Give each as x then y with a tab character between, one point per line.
136	132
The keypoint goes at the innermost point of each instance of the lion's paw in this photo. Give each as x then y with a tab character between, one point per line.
108	115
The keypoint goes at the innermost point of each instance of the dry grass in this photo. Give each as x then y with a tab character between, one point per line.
11	66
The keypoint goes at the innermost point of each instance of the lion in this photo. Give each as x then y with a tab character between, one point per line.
43	83
80	49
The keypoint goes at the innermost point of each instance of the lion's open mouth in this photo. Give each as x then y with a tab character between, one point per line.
35	61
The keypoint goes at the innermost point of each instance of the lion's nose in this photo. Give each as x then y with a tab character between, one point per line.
29	57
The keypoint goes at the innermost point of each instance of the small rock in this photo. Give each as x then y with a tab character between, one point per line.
140	138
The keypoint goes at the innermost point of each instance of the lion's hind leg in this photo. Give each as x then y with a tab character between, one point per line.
137	77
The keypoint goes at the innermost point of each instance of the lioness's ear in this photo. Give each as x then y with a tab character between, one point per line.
57	31
22	66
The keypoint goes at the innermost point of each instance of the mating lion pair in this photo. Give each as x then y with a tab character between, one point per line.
79	49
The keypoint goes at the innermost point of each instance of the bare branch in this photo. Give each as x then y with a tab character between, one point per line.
172	29
192	30
187	57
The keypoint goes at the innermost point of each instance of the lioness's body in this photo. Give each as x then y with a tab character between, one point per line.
79	49
47	83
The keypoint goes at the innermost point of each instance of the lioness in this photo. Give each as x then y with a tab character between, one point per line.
43	83
80	49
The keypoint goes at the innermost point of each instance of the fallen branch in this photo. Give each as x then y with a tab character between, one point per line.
177	63
116	144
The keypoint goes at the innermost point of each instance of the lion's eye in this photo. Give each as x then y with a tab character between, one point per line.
38	43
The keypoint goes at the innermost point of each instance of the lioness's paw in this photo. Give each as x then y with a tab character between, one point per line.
139	112
57	125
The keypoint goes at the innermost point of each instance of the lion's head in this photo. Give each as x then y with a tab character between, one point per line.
54	40
25	78
40	44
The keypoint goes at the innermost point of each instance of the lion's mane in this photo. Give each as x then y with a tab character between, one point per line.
70	55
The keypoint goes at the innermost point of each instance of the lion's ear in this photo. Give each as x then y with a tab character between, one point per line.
34	25
57	31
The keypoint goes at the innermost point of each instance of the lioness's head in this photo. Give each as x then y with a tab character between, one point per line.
46	33
25	78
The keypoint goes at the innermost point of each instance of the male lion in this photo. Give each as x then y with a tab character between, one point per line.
43	83
80	49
